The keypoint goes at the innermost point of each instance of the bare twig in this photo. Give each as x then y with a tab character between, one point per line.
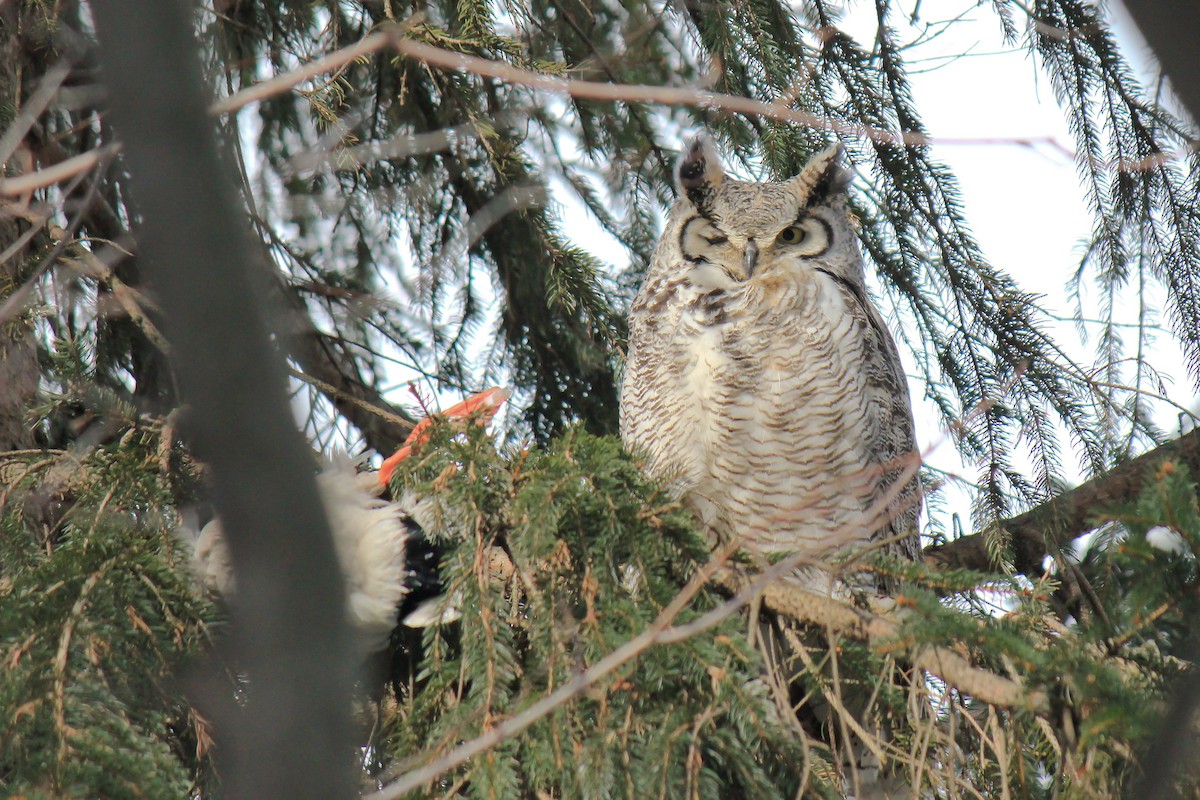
393	36
15	303
401	146
281	83
33	108
335	394
75	165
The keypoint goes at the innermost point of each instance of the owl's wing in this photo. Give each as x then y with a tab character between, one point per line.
892	442
654	313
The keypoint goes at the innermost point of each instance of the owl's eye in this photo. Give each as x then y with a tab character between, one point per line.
793	235
807	238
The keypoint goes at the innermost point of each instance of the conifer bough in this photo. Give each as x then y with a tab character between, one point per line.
1053	524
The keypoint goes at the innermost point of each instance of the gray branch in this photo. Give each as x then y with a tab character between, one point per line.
292	738
1057	522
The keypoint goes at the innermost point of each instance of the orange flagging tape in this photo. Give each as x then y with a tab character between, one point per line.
485	404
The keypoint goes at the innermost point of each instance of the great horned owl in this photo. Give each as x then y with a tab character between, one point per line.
761	377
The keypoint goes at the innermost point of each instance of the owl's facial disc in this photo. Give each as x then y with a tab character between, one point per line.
807	237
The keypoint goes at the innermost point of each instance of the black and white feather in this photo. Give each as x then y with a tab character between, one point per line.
370	535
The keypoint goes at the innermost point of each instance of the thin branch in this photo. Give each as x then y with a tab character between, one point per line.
880	630
16	301
33	108
75	165
89	265
335	395
638	93
383	425
393	36
281	83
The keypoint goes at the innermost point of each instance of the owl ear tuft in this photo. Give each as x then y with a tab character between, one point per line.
700	170
823	177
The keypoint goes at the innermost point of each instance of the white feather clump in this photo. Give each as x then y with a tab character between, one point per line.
210	558
1167	540
369	535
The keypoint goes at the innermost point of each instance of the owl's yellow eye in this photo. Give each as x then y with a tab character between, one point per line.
793	235
806	238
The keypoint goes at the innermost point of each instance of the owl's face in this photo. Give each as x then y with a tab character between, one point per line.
733	231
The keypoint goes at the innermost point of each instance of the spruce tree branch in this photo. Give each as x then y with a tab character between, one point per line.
325	365
68	168
1069	515
383	425
880	630
62	730
1171	27
811	608
658	631
394	36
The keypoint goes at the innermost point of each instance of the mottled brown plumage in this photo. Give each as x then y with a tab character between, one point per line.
761	377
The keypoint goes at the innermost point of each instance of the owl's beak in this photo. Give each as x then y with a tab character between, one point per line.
750	258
